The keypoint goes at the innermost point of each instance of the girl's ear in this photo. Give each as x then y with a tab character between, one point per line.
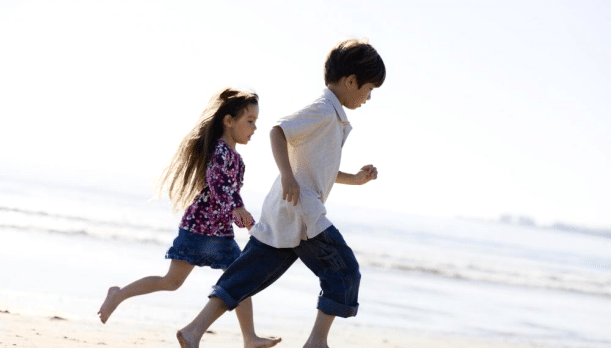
228	121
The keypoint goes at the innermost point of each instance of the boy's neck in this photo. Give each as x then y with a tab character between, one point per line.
337	91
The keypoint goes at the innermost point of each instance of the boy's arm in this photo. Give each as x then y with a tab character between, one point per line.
290	187
366	174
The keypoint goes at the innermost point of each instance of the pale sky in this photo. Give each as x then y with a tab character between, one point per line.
489	107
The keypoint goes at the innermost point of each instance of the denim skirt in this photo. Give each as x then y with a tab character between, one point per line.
212	251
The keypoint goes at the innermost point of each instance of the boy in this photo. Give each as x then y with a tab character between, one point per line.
307	149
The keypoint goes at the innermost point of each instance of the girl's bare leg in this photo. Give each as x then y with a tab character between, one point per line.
191	335
178	272
245	318
320	332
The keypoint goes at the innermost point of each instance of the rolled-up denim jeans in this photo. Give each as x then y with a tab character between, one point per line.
327	255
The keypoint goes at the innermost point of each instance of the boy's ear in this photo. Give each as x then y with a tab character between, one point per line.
351	81
228	120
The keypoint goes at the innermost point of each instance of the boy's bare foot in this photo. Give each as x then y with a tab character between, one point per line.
109	305
259	342
184	341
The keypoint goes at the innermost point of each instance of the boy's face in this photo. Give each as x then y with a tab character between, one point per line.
355	97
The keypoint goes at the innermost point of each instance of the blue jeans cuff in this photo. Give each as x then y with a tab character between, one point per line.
331	307
217	291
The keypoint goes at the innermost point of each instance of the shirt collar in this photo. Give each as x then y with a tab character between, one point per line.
337	105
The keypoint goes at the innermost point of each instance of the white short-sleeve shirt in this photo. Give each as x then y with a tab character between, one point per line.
315	137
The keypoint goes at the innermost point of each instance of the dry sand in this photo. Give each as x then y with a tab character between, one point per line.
35	331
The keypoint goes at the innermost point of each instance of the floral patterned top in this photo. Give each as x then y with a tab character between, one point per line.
210	214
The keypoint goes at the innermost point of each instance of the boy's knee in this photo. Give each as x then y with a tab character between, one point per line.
355	278
353	270
352	281
357	275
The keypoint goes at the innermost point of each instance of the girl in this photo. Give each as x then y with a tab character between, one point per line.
206	174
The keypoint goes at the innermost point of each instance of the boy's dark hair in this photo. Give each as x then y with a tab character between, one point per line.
357	57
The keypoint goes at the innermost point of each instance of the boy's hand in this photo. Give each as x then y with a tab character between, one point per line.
290	189
366	174
243	218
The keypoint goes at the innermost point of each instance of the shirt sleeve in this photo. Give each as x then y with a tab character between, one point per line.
223	180
302	124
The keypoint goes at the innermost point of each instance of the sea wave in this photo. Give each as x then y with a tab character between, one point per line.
25	220
85	220
531	276
417	251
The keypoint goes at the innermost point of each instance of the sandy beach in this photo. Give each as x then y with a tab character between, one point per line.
425	282
62	315
31	331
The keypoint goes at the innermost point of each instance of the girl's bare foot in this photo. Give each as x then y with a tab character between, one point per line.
185	341
109	305
259	342
310	344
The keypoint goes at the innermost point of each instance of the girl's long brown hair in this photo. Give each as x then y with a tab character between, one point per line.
185	177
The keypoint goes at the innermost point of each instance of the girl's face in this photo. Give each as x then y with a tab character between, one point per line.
240	130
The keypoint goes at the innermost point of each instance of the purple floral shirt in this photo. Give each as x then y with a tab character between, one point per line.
210	213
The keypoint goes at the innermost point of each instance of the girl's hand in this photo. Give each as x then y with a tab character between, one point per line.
243	218
290	189
367	173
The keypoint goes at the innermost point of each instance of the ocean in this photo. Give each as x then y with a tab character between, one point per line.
63	246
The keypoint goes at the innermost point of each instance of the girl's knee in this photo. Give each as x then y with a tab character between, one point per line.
172	284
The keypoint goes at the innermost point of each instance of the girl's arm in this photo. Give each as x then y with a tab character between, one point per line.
290	187
223	185
243	218
366	174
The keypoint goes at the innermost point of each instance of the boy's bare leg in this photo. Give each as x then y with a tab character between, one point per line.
245	318
177	273
191	335
320	332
